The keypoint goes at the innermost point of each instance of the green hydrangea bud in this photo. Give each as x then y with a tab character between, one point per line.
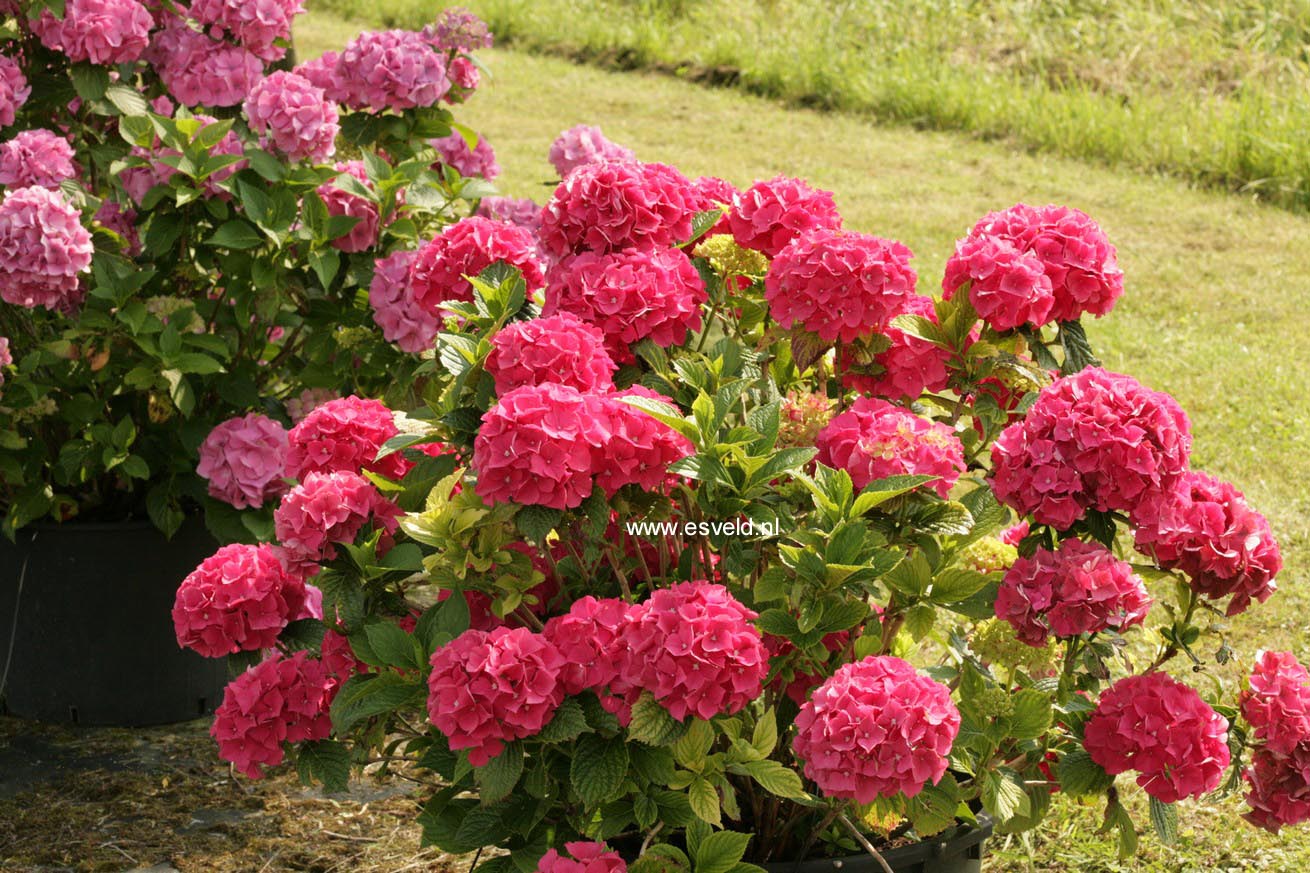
995	642
989	555
803	415
349	337
993	702
729	259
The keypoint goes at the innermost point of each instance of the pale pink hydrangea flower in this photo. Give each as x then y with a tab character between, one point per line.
293	116
6	358
122	221
43	249
582	145
458	30
199	71
307	401
238	600
14	90
322	72
97	31
875	439
284	699
478	161
391	69
519	211
36	157
254	24
403	321
244	460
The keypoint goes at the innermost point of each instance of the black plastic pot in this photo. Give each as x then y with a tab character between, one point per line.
92	635
959	850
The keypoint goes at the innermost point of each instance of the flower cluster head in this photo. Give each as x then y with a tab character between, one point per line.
876	728
257	25
609	206
909	367
97	31
1079	588
293	116
768	215
43	249
402	320
307	401
519	211
586	858
326	509
1094	440
630	295
339	201
1078	259
640	448
36	157
490	688
803	415
1279	788
344	435
995	642
1204	527
458	30
1277	703
391	69
469	161
200	71
840	285
583	145
711	192
730	259
694	647
244	460
466	248
14	90
875	439
238	600
988	555
281	700
1161	728
588	637
559	348
1007	287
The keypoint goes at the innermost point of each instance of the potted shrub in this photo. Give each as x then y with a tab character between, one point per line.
189	232
715	543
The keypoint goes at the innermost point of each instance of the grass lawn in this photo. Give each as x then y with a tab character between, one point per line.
1215	312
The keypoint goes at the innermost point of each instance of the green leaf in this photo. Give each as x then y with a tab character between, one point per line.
1078	353
393	646
536	522
652	724
1117	817
774	777
482	826
1003	795
692	747
1164	818
599	769
932	810
235	234
328	761
127	100
764	737
325	263
497	778
661	858
373	694
1031	715
719	852
704	800
303	634
1080	776
90	81
955	584
568	723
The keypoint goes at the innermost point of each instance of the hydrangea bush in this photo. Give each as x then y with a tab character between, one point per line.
716	539
200	239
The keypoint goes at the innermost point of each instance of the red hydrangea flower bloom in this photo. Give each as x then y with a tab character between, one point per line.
36	157
1007	287
875	439
587	638
582	145
910	367
536	446
694	647
281	700
43	249
1079	588
1078	259
1014	534
1204	527
519	211
1161	728
14	90
244	460
339	201
97	31
454	151
326	509
1277	705
238	600
403	321
610	206
466	248
769	215
559	348
391	69
255	24
293	116
630	295
200	71
587	858
711	192
1093	440
839	284
487	689
1280	788
876	728
344	435
640	447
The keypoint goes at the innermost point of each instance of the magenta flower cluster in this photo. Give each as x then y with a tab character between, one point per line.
403	321
293	116
608	206
582	857
238	600
244	460
476	161
560	348
1277	706
583	145
439	272
770	214
875	439
97	31
280	700
344	435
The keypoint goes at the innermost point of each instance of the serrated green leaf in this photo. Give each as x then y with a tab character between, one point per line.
1031	715
497	778
598	769
651	723
720	852
536	522
568	723
704	800
773	776
1080	776
328	761
1164	818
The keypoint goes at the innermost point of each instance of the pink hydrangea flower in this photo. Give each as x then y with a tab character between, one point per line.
307	401
200	71
711	192
36	157
1204	527
1277	704
244	460
479	161
640	448
344	435
281	700
582	145
587	638
610	206
1007	287
458	30
6	358
1279	788
293	116
14	90
875	439
466	248
238	600
839	284
587	858
560	348
112	216
1014	534
487	689
630	295
43	249
391	69
326	509
402	320
1079	588
1161	728
770	214
322	73
909	368
255	24
1093	440
97	31
876	728
339	201
518	211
